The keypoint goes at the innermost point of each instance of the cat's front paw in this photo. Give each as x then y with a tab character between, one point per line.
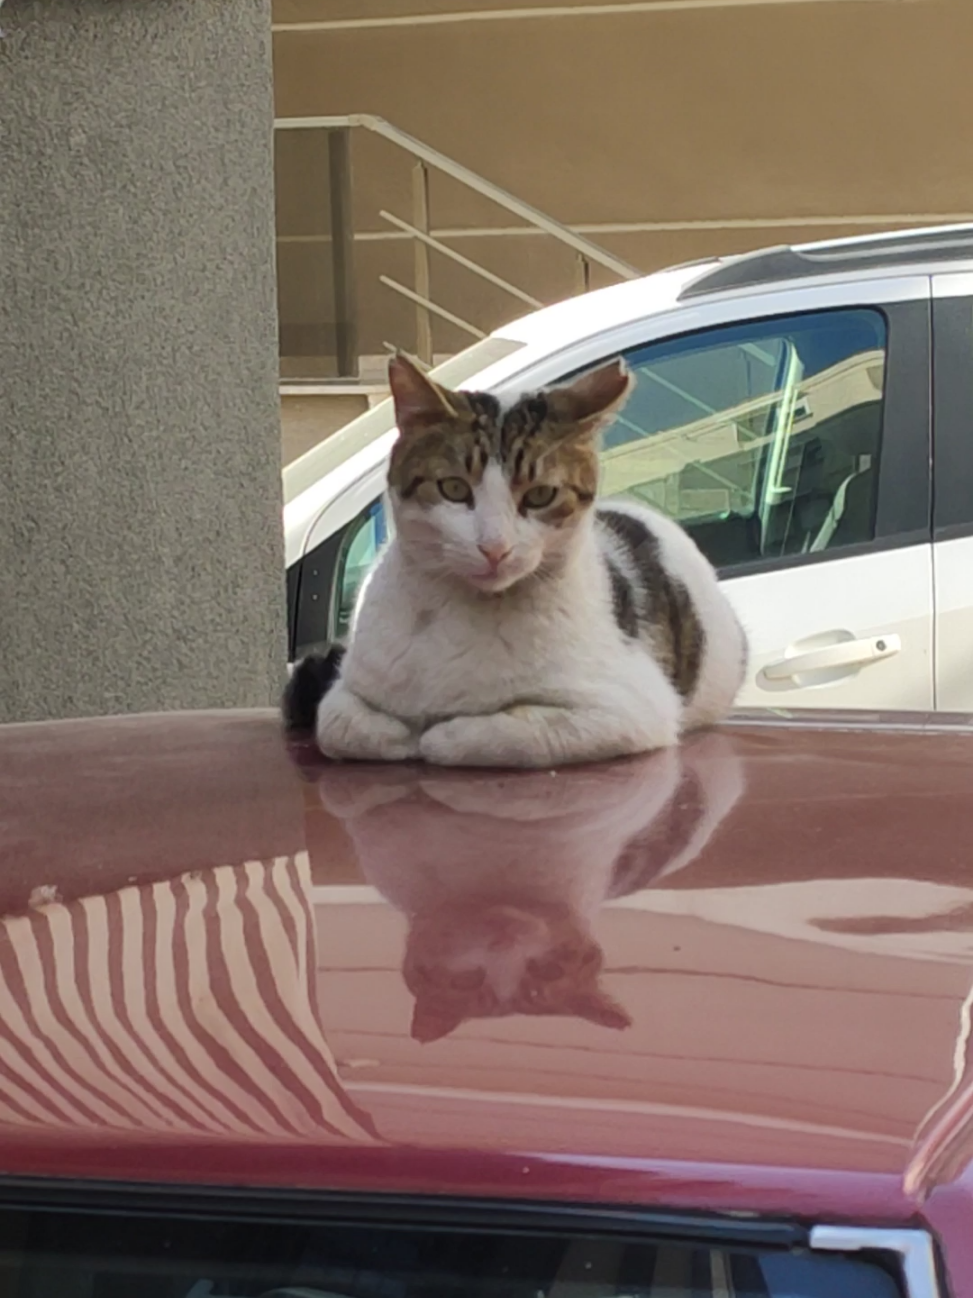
489	741
348	730
453	743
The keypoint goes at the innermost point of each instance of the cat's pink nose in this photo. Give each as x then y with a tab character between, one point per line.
494	553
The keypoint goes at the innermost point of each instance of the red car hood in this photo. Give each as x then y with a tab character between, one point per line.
734	977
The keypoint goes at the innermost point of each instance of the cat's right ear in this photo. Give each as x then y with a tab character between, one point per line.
598	1007
587	404
419	402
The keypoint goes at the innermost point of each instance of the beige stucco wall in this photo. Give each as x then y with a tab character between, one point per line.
141	556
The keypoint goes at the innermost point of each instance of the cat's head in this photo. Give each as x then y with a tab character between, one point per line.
490	495
496	960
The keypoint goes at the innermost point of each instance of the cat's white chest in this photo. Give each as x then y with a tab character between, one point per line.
422	654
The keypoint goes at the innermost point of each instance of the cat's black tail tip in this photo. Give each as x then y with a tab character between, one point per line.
310	680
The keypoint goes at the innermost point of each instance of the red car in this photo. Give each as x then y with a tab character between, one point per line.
693	1024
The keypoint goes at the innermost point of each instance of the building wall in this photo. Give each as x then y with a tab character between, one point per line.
140	501
307	418
712	130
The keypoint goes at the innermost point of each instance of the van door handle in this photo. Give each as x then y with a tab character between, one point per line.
846	653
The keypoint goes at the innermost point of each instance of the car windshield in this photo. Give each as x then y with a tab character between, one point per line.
378	421
50	1254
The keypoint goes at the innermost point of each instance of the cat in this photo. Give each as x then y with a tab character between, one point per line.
502	876
511	621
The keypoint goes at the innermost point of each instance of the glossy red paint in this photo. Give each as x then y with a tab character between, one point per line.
733	977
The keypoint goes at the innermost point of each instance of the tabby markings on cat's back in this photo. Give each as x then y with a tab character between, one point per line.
652	598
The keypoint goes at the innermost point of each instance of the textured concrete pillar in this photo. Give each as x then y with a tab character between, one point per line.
141	562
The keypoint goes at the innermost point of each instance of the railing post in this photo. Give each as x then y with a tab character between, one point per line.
343	252
583	269
420	219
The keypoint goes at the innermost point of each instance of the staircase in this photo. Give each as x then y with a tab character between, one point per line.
356	276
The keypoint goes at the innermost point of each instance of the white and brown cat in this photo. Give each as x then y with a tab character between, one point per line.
512	621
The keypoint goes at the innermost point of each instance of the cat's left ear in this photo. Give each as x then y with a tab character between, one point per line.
598	1007
419	401
432	1023
587	404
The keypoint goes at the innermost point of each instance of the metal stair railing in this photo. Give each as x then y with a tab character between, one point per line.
418	229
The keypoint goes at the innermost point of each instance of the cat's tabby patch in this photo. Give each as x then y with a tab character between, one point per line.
512	621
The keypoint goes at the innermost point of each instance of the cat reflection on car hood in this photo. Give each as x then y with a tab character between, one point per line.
501	875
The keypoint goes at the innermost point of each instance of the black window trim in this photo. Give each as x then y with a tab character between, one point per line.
325	553
952	332
234	1203
293	596
881	545
905	455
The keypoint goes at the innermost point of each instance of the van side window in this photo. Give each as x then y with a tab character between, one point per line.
330	577
362	542
762	439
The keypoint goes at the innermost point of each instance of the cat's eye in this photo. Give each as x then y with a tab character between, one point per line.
456	490
539	497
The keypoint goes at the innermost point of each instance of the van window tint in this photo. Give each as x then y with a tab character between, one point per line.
362	543
763	439
323	594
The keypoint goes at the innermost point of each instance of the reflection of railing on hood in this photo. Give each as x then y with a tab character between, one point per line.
183	1008
502	874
